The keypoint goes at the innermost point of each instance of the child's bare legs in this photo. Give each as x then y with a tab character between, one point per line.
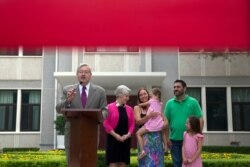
139	135
164	135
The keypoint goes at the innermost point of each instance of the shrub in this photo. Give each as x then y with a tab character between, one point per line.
33	159
226	149
6	150
60	124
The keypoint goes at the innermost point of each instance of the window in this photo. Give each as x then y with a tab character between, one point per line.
8	101
111	49
36	51
10	51
216	109
195	93
241	109
132	49
30	110
90	49
26	51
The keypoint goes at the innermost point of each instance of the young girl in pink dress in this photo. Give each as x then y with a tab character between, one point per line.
192	143
157	123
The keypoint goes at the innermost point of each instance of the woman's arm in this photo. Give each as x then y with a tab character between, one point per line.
131	123
116	136
141	121
146	104
165	126
131	120
137	116
110	122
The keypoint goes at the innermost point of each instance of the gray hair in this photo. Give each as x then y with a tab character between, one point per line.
122	90
82	65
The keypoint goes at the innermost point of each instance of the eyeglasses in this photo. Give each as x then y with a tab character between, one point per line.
84	72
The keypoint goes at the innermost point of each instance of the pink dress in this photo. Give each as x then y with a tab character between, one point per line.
190	148
154	124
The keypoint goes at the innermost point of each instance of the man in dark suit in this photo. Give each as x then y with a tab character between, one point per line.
81	95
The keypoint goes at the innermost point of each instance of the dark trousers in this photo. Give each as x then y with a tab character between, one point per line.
176	152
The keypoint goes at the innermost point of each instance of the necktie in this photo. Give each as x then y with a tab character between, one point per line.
84	97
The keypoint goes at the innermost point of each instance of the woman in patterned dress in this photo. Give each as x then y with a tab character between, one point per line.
153	142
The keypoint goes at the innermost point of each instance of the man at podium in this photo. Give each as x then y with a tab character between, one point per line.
82	95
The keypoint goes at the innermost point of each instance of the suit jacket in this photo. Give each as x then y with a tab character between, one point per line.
113	116
96	100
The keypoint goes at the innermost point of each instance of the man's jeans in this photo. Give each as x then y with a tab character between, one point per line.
176	152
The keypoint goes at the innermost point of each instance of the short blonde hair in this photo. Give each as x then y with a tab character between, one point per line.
122	90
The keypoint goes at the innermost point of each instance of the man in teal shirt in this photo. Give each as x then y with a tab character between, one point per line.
177	111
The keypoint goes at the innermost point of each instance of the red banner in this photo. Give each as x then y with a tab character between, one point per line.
185	23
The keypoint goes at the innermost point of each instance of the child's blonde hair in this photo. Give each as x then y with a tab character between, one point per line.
156	92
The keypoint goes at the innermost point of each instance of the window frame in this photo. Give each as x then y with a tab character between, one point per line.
7	106
30	112
20	52
241	105
216	102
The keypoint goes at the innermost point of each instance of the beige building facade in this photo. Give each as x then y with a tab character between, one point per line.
31	84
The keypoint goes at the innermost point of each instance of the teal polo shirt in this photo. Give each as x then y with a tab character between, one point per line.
177	112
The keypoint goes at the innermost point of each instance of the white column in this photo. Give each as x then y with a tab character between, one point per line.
228	65
179	66
74	59
148	59
56	70
20	51
18	110
83	55
19	62
203	63
97	62
229	110
204	108
126	62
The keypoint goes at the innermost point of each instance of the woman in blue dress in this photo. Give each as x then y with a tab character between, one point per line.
153	142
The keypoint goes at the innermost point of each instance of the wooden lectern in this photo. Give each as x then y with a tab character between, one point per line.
83	136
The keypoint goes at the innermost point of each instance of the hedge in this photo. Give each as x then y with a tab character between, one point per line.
33	159
6	150
226	149
56	158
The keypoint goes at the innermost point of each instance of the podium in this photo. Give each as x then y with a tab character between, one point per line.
83	136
